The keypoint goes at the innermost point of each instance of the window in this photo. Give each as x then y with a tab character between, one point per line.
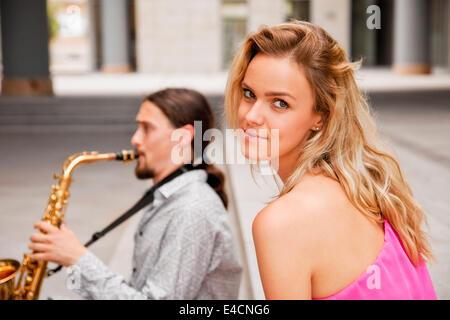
297	9
234	24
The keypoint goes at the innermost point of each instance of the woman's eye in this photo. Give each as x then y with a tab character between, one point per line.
280	104
248	93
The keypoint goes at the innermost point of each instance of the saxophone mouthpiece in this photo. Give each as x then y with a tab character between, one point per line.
126	155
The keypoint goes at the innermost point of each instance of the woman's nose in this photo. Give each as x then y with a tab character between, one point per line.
255	115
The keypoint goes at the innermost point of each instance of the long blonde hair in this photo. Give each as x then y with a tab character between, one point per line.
347	147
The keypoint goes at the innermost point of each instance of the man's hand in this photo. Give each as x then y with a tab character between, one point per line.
60	246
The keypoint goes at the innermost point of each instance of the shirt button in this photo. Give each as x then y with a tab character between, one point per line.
140	233
134	270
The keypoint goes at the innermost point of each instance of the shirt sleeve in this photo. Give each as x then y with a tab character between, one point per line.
185	256
91	279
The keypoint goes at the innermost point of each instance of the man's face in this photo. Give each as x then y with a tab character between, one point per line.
152	141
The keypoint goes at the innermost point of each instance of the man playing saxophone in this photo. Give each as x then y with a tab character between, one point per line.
183	244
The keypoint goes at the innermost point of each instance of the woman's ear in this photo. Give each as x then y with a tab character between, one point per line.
318	121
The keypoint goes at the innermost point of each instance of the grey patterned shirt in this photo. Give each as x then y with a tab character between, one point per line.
184	249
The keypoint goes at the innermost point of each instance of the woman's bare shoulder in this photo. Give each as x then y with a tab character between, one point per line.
310	207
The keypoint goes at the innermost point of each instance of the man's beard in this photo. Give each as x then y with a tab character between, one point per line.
144	173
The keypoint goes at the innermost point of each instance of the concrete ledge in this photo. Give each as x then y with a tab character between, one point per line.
141	84
385	80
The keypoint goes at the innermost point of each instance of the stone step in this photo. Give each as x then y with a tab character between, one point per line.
94	113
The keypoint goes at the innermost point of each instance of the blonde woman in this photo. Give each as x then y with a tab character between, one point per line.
345	225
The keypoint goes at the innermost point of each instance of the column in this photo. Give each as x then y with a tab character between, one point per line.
411	37
115	36
335	18
447	14
25	48
93	9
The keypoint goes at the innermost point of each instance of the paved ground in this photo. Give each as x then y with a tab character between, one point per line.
34	146
419	130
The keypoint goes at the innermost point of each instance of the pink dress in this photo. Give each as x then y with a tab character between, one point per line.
391	276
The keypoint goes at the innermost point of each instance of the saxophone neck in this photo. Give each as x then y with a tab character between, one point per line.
93	156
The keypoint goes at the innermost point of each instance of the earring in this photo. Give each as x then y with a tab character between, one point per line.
316	128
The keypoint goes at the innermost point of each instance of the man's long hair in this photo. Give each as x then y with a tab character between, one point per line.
184	106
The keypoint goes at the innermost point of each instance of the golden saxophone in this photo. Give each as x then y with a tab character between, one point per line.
30	274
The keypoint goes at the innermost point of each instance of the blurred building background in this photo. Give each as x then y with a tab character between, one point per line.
74	73
201	36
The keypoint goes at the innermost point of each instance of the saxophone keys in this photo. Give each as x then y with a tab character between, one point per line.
56	218
26	260
28	280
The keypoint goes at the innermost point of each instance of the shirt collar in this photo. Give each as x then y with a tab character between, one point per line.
169	188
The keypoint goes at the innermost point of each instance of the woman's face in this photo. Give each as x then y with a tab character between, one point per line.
276	98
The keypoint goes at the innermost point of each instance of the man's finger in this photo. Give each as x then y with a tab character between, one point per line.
40	256
39	247
40	237
46	227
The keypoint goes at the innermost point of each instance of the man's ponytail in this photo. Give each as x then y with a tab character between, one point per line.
216	180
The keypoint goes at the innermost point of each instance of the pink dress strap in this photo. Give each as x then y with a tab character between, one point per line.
391	277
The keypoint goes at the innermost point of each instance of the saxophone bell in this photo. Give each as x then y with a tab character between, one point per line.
8	271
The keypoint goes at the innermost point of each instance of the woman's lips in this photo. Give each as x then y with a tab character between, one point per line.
252	134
